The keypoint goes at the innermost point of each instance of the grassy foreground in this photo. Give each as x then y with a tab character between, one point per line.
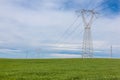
60	69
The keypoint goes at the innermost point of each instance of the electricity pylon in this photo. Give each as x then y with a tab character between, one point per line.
27	54
87	45
111	52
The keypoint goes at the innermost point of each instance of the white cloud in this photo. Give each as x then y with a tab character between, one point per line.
11	51
100	45
41	23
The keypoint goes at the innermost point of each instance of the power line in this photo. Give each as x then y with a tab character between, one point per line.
74	30
67	30
100	9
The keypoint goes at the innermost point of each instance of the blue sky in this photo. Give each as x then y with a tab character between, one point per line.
36	27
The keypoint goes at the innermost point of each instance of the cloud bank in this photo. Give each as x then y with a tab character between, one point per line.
38	24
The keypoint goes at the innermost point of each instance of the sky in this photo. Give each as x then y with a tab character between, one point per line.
37	28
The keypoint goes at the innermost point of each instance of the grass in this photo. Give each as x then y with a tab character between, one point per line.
59	69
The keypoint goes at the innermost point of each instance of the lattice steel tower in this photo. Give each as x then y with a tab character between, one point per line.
87	45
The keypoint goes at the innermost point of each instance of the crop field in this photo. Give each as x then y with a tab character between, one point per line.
59	69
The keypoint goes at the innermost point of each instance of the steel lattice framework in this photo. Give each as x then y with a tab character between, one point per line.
87	45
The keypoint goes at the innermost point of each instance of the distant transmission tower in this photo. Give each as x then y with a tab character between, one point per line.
27	54
87	45
111	52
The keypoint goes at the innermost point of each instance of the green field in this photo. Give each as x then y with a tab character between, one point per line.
60	69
